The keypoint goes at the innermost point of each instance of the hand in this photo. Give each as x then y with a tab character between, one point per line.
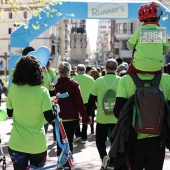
90	121
52	122
80	121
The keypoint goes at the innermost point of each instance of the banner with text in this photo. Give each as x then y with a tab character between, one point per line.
108	10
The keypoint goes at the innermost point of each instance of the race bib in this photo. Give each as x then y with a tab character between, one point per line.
153	35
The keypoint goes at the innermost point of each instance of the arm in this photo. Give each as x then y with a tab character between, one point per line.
91	102
166	47
165	50
50	115
131	43
118	106
54	81
169	102
130	46
80	104
9	112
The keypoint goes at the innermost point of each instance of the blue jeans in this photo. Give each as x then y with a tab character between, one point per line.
20	160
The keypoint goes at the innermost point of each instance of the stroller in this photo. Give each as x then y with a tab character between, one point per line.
66	154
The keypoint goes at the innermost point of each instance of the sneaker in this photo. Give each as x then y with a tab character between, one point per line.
67	168
110	167
83	141
60	167
105	162
77	139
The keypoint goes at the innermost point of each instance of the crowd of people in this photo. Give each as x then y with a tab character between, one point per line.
94	91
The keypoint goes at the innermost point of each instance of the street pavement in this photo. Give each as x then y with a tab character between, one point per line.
86	155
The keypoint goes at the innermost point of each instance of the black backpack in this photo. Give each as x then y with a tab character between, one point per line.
148	109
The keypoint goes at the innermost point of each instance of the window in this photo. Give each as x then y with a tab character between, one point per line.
9	30
116	51
130	28
124	46
120	28
53	50
125	28
102	32
102	26
4	1
117	28
25	14
10	15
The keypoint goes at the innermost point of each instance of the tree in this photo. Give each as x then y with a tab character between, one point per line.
32	6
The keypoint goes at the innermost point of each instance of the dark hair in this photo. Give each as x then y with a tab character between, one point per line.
98	69
168	68
26	50
88	68
119	60
95	74
165	69
151	19
103	72
28	71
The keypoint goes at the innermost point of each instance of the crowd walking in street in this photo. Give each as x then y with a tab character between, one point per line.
122	108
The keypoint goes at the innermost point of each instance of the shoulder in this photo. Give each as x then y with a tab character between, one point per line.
138	30
99	79
89	77
165	78
74	82
126	79
43	89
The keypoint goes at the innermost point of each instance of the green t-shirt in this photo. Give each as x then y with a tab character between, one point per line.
86	82
48	78
99	89
28	104
126	88
148	56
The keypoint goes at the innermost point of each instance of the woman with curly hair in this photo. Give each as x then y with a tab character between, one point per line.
29	104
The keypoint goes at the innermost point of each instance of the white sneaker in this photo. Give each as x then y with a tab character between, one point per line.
77	139
105	162
83	141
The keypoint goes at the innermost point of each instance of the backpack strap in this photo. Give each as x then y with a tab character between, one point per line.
140	83
111	85
137	80
156	80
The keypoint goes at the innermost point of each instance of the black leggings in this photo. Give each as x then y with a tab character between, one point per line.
20	160
147	153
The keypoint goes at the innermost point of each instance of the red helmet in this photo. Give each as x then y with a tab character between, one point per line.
149	10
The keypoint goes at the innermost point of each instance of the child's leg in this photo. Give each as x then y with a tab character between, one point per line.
132	70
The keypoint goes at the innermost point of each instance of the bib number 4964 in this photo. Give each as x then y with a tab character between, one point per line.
153	35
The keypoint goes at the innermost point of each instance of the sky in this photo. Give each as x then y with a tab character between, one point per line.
92	32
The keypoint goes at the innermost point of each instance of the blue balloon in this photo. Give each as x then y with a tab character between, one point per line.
42	55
